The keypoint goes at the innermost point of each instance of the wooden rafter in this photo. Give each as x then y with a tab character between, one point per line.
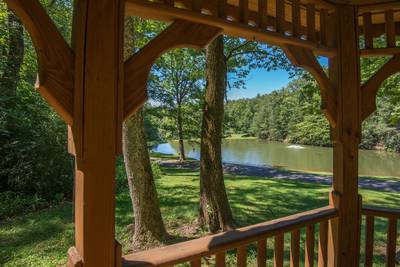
178	35
303	57
231	26
370	88
55	57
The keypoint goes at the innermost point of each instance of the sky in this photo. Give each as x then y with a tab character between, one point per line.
262	82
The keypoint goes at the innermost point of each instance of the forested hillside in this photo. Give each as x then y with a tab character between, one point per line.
293	114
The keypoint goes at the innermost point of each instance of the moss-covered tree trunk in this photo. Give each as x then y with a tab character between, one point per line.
215	210
15	56
149	226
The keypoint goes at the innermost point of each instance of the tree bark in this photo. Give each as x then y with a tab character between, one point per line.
182	156
215	210
15	57
149	225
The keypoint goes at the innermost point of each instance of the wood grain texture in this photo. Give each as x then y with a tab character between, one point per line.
210	245
178	35
241	256
295	248
244	11
311	33
381	212
391	243
346	138
278	250
368	36
296	23
310	246
55	57
220	259
99	83
390	29
369	241
305	58
323	245
280	16
144	8
262	14
370	88
262	253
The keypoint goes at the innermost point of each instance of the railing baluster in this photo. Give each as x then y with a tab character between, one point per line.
278	250
220	259
310	22
280	16
195	263
367	20
323	19
323	244
244	11
241	256
369	240
296	23
196	5
310	243
391	242
390	29
262	14
295	248
222	8
262	253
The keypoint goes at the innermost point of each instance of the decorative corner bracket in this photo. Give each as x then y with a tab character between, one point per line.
55	57
370	88
180	34
304	57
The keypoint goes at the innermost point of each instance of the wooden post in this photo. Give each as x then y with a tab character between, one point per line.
96	132
345	73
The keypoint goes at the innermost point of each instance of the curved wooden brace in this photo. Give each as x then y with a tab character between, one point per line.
370	89
304	57
55	57
180	34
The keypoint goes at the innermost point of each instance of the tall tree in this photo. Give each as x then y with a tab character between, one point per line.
149	226
176	85
15	56
228	63
215	210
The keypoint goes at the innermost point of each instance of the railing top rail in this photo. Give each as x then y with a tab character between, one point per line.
381	212
208	245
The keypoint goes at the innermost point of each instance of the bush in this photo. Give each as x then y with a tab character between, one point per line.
392	141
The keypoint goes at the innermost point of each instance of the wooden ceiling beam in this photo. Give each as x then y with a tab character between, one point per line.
146	9
55	57
180	34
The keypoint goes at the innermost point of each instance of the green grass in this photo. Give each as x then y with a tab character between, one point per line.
42	238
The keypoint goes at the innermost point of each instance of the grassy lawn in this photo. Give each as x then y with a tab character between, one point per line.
42	238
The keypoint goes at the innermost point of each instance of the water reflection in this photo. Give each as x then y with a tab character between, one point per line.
306	158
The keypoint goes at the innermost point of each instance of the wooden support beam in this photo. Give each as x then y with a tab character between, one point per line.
262	14
279	250
310	246
370	88
244	11
345	73
390	29
296	23
146	9
55	57
98	32
369	40
311	22
323	27
262	253
280	16
323	245
295	248
178	35
369	240
241	256
305	58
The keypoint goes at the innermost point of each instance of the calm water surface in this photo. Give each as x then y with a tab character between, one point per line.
305	158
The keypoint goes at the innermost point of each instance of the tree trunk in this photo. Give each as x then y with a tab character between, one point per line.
215	210
10	78
182	156
149	225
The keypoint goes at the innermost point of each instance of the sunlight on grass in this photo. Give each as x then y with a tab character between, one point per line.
42	238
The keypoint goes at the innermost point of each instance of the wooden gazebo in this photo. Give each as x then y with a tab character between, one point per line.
94	90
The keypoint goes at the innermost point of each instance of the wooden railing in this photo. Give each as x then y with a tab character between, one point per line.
392	216
217	246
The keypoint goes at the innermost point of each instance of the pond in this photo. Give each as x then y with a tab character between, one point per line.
303	158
